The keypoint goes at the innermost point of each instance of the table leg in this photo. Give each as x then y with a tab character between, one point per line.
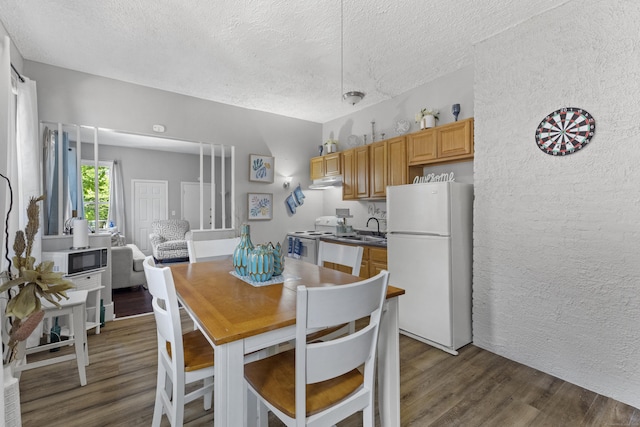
389	366
80	341
230	397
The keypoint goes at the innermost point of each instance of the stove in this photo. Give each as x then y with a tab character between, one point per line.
309	240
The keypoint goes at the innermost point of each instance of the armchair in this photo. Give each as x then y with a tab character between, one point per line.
168	240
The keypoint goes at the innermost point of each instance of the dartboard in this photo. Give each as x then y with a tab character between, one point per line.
565	131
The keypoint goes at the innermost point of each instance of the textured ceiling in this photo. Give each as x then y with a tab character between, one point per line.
280	56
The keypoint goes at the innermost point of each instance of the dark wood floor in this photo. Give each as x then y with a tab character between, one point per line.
475	388
131	301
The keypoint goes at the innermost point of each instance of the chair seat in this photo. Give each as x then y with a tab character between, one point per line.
274	379
198	353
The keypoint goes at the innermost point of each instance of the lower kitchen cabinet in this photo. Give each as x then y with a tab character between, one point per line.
374	260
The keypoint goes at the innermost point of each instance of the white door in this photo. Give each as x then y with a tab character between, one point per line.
149	204
191	205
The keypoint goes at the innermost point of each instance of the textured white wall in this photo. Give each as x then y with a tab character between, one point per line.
557	240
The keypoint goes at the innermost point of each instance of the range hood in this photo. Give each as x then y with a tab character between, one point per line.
326	182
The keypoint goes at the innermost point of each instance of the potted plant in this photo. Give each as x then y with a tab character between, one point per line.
32	281
427	117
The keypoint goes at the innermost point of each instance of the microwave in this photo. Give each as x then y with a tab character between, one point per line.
77	261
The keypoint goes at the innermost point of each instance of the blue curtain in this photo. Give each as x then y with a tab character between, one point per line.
73	201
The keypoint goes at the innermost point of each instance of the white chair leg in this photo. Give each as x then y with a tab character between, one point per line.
208	397
161	382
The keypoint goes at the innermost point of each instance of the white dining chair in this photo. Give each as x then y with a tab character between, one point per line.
182	359
205	250
349	256
321	383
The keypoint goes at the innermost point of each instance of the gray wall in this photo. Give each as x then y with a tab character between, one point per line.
73	97
556	240
441	93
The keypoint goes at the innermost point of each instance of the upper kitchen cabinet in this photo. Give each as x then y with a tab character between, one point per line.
348	174
323	166
378	169
443	144
370	168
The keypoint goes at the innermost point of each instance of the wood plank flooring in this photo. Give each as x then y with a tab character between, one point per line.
475	388
131	301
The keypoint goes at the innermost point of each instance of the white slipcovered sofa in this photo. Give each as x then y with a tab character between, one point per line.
126	267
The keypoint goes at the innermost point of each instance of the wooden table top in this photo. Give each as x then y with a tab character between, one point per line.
230	309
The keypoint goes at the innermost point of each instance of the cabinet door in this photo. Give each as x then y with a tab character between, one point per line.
455	140
348	175
378	170
422	147
361	172
317	168
332	164
397	164
377	261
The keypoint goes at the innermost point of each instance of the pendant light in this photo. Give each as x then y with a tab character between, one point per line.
354	96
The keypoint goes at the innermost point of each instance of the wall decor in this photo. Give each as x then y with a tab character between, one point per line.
565	131
261	168
432	177
260	206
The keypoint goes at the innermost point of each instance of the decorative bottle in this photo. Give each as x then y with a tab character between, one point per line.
261	263
242	251
278	259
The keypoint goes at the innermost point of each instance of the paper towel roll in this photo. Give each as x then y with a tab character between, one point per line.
80	233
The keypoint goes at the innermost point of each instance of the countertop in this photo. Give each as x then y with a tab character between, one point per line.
359	240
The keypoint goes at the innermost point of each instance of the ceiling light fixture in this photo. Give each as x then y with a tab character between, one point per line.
354	96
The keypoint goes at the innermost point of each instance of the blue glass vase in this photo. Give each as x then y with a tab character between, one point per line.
261	263
278	259
242	251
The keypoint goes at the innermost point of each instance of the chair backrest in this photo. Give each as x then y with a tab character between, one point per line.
349	256
165	310
170	229
323	307
205	250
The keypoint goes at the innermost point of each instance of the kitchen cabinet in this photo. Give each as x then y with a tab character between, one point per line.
378	170
361	172
373	167
397	166
374	260
377	260
323	166
442	144
348	175
91	282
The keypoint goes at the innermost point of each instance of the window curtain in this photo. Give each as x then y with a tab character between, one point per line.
29	163
23	154
116	198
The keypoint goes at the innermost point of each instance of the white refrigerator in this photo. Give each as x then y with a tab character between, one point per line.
429	251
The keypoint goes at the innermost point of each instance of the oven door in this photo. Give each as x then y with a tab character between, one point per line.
309	249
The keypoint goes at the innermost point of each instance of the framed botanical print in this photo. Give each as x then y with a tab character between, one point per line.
261	168
260	206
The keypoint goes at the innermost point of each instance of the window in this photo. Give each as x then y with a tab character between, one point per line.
89	193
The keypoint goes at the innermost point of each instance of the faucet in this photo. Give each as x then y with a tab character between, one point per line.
378	222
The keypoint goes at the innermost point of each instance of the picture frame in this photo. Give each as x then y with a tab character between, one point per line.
261	168
259	206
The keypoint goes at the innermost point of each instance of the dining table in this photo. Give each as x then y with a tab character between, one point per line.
239	319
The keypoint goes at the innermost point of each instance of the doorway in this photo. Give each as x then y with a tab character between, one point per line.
149	202
191	204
